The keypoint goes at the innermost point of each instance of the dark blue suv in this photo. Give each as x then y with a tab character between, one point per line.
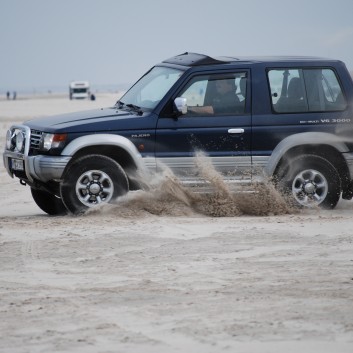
288	118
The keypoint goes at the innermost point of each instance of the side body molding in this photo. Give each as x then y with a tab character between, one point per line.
305	138
105	139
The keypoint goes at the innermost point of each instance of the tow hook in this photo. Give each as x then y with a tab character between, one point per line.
22	182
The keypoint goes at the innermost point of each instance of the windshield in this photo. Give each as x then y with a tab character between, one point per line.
151	88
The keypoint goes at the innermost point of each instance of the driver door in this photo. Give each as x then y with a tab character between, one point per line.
223	136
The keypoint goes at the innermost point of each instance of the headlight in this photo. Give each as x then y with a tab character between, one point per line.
10	142
19	140
47	141
53	141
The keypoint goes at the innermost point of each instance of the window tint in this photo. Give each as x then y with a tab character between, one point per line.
304	90
216	94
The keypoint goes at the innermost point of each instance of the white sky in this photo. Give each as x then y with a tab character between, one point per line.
48	43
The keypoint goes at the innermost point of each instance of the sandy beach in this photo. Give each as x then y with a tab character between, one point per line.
155	275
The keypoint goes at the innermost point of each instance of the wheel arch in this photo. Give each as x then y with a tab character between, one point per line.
324	145
117	147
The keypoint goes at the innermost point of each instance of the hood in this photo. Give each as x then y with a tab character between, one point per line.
98	120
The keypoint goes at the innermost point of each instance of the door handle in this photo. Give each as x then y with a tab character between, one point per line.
235	131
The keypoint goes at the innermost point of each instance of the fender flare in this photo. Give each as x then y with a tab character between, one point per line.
305	138
105	139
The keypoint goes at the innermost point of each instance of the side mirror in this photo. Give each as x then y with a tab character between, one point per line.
181	105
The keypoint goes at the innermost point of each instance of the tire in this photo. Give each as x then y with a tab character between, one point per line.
48	203
311	181
92	180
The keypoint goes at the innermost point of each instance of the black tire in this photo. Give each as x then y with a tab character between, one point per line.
310	181
92	180
49	203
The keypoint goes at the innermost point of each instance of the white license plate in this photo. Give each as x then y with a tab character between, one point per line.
17	164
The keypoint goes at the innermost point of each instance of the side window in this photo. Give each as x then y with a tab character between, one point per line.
324	90
195	92
216	94
288	91
304	90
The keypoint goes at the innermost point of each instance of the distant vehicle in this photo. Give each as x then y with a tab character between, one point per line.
79	90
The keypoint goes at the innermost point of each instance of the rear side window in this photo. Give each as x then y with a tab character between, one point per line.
305	90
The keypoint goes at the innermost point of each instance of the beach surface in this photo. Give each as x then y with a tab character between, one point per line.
154	274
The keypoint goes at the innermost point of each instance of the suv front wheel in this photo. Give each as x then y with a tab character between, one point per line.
311	180
92	180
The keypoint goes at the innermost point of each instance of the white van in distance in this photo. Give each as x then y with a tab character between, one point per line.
79	90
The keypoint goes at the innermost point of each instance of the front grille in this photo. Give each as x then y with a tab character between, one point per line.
36	137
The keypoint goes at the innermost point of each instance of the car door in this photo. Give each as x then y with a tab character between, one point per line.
208	127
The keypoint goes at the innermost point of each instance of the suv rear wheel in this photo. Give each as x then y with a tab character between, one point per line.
311	180
92	180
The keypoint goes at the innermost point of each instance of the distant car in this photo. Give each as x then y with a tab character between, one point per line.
288	116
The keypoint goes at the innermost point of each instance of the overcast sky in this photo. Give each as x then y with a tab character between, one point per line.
48	43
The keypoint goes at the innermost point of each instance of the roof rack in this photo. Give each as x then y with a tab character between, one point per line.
194	59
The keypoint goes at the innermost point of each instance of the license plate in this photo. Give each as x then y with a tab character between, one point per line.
17	164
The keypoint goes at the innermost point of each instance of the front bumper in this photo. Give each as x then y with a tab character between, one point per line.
43	168
38	167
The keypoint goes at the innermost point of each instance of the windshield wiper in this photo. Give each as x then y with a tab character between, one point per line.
135	108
